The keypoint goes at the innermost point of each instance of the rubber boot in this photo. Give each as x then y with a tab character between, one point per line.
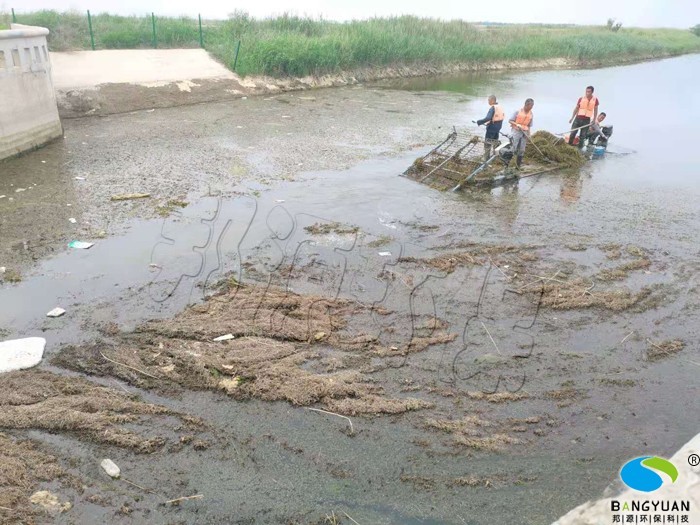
489	149
518	162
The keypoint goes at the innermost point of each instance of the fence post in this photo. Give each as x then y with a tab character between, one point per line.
201	36
14	16
92	35
235	59
153	21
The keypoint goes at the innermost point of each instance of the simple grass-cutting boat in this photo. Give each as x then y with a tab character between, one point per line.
458	161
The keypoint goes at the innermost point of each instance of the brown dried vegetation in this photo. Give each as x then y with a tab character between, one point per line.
476	433
278	366
659	351
38	399
23	467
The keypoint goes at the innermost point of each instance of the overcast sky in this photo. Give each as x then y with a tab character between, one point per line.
644	13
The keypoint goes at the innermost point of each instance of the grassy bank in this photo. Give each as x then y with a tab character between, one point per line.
296	46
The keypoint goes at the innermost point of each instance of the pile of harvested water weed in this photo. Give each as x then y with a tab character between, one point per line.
553	149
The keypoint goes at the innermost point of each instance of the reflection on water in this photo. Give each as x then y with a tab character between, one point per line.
571	187
473	84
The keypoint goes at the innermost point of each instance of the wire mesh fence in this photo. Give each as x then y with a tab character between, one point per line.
105	31
71	31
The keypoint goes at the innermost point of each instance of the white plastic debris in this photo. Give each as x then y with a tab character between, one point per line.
72	220
79	178
385	254
226	337
43	162
80	245
20	189
3	269
3	196
279	200
111	468
56	312
18	354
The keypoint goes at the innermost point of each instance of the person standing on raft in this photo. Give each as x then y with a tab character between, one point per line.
494	121
585	110
521	122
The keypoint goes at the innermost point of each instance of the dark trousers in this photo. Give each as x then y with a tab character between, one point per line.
578	122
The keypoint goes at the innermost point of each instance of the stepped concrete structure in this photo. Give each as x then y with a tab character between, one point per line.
28	109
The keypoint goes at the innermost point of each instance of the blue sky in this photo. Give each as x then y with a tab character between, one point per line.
644	13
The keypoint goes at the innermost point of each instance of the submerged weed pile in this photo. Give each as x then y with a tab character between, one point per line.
42	400
493	436
658	351
22	467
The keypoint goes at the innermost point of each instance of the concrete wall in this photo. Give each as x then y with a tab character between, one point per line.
28	111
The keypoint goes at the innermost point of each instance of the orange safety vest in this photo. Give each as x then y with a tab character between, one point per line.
523	119
498	113
586	107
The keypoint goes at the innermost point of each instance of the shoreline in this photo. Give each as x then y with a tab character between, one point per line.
116	98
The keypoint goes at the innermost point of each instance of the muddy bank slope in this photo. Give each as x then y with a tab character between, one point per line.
86	92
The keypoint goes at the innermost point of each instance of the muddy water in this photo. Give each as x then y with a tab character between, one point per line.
256	173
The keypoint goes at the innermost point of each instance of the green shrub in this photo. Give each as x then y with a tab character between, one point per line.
289	45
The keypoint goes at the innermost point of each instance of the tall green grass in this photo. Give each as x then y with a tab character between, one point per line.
5	19
69	30
296	46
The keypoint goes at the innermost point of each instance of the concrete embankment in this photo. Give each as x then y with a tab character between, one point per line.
119	81
28	116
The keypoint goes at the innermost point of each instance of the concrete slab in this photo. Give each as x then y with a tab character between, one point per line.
686	488
19	354
84	69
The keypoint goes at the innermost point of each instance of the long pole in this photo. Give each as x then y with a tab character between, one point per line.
570	130
235	60
201	36
14	16
92	35
529	139
153	22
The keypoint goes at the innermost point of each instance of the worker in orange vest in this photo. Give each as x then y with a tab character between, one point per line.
586	110
494	121
521	123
